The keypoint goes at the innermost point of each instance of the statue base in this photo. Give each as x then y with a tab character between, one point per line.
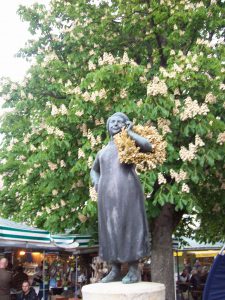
120	291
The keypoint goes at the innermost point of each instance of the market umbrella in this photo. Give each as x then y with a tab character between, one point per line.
215	284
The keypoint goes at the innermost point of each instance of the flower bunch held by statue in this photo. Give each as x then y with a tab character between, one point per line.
130	153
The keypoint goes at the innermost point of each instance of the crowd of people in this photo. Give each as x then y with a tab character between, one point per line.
17	282
193	279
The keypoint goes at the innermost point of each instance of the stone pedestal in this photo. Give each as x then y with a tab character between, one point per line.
120	291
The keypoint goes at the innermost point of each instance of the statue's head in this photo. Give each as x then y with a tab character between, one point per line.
116	122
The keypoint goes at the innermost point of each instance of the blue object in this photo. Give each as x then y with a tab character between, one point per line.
215	284
52	283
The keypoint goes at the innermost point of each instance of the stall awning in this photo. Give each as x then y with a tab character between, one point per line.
206	253
10	230
69	239
14	234
193	245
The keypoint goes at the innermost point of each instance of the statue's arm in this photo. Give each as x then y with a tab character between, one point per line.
95	172
143	143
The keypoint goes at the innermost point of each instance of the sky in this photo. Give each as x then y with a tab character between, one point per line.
13	36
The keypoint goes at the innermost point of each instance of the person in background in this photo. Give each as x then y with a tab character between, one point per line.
197	264
195	278
9	267
184	276
195	284
28	293
19	278
187	265
183	282
203	275
5	280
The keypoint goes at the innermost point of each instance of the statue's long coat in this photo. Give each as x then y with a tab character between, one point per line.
123	229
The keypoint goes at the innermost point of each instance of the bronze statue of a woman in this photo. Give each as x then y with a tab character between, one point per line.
123	228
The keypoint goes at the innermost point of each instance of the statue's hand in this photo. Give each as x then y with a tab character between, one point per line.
129	125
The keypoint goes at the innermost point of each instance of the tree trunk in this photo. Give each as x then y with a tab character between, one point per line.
162	261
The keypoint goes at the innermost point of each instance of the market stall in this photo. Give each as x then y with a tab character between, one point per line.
59	261
192	250
193	260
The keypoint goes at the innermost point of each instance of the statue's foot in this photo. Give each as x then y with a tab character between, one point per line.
114	275
130	278
133	275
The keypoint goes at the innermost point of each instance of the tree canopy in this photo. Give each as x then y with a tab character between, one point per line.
160	62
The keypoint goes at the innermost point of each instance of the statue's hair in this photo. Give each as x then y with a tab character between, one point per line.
119	114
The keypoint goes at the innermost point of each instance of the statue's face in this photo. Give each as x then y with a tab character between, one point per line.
115	125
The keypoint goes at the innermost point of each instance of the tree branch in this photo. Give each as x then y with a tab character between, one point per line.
54	95
159	41
177	216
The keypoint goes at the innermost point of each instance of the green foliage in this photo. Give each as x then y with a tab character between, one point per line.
159	62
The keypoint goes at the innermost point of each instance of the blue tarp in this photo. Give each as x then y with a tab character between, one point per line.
215	284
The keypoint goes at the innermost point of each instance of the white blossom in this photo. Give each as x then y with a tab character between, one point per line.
222	86
185	188
63	203
54	192
210	98
81	153
91	66
143	79
221	138
192	108
93	194
32	148
178	176
123	93
79	113
90	161
140	102
63	110
161	179
164	124
77	90
59	133
52	166
62	164
107	58
157	87
125	59
188	154
198	141
1	182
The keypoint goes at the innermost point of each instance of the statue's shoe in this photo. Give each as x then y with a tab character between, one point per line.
112	276
132	276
